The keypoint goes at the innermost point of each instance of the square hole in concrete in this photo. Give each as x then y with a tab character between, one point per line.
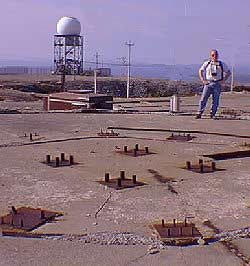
26	218
185	232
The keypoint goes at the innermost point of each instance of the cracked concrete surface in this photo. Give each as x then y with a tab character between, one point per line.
222	197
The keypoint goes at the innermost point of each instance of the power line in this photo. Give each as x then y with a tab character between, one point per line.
123	60
153	65
111	64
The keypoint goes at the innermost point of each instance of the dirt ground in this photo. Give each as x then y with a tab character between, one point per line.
221	197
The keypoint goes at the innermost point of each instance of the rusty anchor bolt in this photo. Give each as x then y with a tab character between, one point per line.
21	222
174	222
71	159
180	231
42	214
122	175
13	210
188	164
62	157
146	150
119	182
185	222
106	177
57	161
47	158
162	223
137	147
189	137
31	138
125	148
135	152
134	179
213	166
201	167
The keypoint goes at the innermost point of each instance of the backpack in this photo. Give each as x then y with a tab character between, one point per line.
221	66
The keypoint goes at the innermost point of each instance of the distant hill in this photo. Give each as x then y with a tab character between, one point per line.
179	72
33	62
172	72
160	71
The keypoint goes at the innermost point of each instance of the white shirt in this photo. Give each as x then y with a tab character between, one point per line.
213	71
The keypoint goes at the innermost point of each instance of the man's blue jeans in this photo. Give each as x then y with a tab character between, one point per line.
214	89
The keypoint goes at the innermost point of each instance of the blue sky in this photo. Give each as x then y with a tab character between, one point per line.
164	31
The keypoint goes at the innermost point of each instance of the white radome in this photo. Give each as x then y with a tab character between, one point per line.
68	26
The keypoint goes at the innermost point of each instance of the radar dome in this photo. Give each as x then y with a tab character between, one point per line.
68	26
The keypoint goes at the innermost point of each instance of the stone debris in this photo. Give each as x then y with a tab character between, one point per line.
155	245
115	238
153	250
230	235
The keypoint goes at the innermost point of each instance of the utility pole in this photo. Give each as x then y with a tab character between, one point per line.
97	59
186	7
232	69
232	79
95	81
129	44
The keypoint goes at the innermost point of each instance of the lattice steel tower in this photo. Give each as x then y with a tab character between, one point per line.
68	47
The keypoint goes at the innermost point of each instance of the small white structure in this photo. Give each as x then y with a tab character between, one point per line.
175	104
68	26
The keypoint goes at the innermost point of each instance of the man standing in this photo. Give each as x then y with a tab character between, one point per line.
213	73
